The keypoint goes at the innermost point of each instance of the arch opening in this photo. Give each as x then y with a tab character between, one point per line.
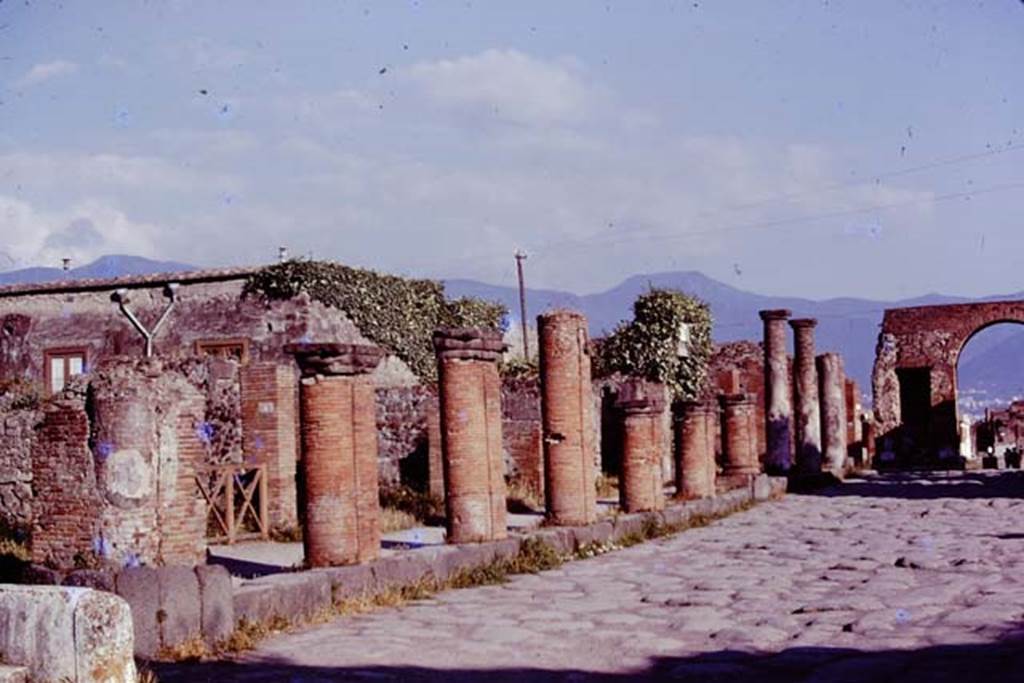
990	395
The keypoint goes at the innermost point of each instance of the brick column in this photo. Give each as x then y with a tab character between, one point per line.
778	409
832	392
642	406
474	467
695	449
738	439
339	452
805	395
268	434
566	407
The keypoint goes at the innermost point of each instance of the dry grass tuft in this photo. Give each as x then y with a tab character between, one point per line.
392	519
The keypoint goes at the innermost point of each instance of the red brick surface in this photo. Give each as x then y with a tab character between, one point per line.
474	476
339	463
739	426
696	469
641	489
269	433
568	426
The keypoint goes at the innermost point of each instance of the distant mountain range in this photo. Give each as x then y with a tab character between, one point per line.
114	265
993	362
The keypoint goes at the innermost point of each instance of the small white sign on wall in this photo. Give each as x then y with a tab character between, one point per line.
266	408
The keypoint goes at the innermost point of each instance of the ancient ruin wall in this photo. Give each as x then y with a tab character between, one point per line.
928	338
18	425
32	323
114	470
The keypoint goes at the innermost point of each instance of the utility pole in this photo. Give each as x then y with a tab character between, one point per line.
520	257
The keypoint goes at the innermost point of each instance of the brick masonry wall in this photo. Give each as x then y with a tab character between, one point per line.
114	470
269	423
521	434
927	337
67	501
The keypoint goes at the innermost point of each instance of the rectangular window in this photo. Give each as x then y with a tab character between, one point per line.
62	364
228	349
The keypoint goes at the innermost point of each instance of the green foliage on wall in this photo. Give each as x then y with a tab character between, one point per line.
648	346
398	314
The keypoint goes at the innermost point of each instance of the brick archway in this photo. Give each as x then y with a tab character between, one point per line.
914	381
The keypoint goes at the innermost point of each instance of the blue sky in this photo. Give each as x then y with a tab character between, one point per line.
871	148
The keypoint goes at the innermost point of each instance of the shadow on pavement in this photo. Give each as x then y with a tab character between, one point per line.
930	485
1001	662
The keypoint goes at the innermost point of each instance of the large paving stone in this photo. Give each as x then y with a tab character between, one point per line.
140	587
559	538
403	569
180	616
348	582
295	596
217	603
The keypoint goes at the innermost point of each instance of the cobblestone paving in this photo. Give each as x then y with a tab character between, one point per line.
895	578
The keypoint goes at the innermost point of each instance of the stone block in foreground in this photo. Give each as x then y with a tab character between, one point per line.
65	633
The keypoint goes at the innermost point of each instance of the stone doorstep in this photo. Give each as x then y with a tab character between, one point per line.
13	674
299	595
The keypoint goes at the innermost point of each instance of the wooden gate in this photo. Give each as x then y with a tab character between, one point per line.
236	500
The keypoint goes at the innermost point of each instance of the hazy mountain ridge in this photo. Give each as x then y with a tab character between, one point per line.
845	324
114	265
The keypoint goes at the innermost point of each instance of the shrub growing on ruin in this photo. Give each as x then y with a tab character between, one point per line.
649	345
399	314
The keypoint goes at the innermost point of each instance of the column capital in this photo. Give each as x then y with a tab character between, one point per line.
469	343
335	359
735	399
638	396
698	407
561	314
803	323
775	314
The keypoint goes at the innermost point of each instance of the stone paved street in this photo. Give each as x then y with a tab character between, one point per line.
897	578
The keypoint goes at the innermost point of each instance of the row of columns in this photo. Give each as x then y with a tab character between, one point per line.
339	439
817	414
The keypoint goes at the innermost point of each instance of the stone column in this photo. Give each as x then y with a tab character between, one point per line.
738	441
832	390
566	407
805	395
338	421
867	432
642	406
470	409
695	449
778	409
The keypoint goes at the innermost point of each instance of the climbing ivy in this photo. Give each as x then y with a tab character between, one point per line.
399	314
648	345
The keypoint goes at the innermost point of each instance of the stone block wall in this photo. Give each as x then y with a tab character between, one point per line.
403	442
17	436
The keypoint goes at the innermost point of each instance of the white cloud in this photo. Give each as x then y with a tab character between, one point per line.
45	71
83	231
508	84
